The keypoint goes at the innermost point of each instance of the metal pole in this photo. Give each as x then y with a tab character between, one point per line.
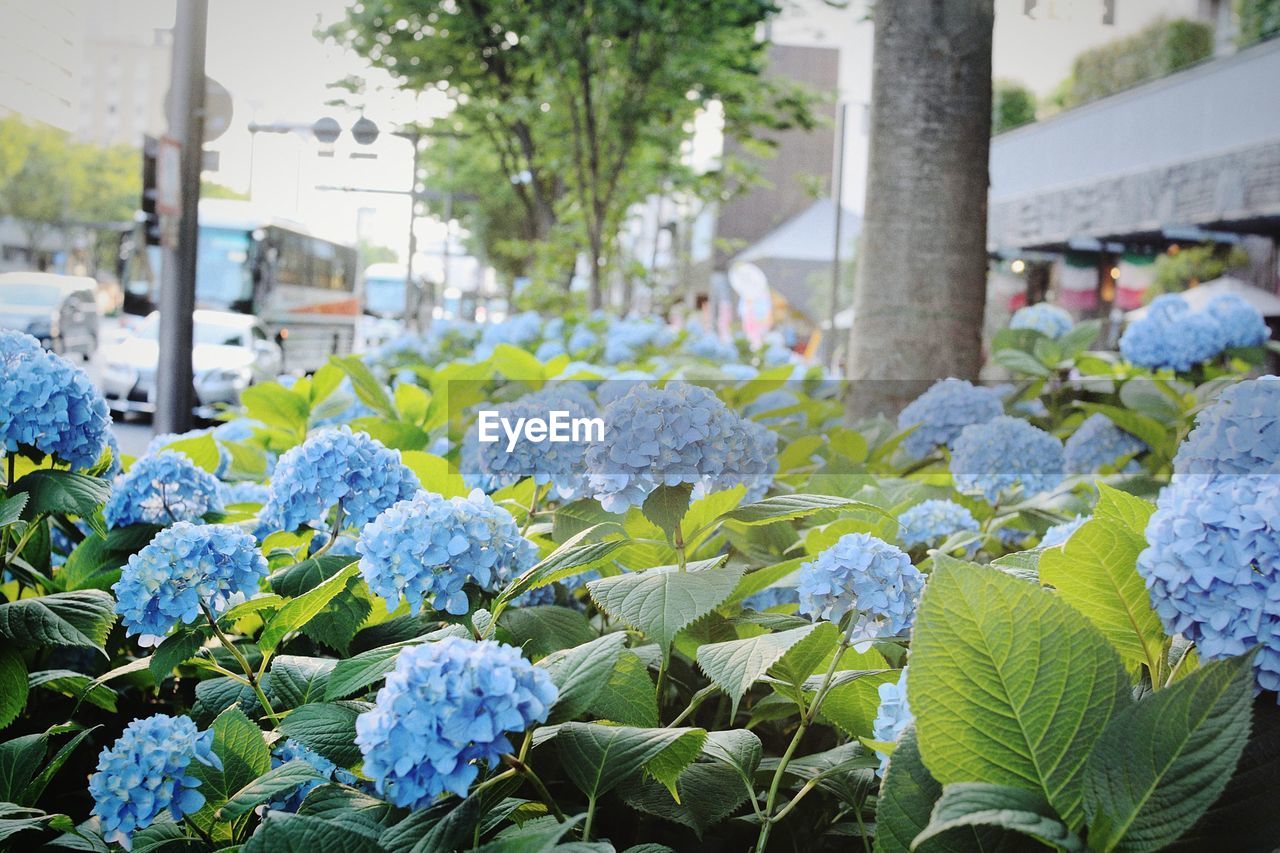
837	197
412	300
178	291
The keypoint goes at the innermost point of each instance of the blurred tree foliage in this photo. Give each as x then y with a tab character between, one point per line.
48	182
1177	271
570	111
1155	51
372	253
1259	19
1012	105
209	189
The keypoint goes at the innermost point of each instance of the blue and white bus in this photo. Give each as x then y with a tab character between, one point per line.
302	287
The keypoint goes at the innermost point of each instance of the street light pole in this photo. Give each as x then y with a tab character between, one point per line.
174	386
831	348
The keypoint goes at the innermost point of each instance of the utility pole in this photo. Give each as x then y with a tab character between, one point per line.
174	388
412	298
837	195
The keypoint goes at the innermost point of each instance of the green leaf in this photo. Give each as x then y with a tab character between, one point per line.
517	364
13	685
852	702
1010	685
19	760
663	603
546	629
329	729
164	836
666	507
1095	571
967	807
356	673
628	696
275	405
907	796
202	450
540	835
668	764
278	780
708	793
177	648
1020	362
303	577
736	665
33	791
412	402
216	695
260	602
753	582
15	819
61	492
73	684
804	657
580	673
446	825
597	758
786	507
81	618
1129	510
573	556
1152	432
571	519
92	564
367	387
295	681
1080	338
282	832
238	743
1162	762
11	509
299	611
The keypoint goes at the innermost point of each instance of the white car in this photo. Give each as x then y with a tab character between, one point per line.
229	353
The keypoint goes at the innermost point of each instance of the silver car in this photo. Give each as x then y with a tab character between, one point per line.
60	310
230	352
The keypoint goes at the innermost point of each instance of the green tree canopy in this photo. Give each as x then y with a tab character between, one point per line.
1155	51
1259	19
1012	105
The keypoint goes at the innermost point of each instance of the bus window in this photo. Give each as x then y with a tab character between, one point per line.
223	276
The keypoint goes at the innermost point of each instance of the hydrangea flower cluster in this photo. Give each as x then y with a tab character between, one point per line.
336	467
1172	336
291	750
866	576
931	522
160	442
751	458
679	434
145	773
1239	434
1048	320
1060	533
447	706
892	716
1098	443
772	596
703	345
243	492
184	568
991	457
940	413
427	548
1212	566
625	340
48	404
516	330
1242	325
162	489
560	463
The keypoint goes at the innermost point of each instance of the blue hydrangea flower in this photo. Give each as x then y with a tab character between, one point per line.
994	456
1238	434
1048	320
627	340
184	568
48	404
145	773
1098	443
940	413
619	384
1242	325
446	707
540	597
772	596
426	549
680	434
582	340
1012	538
707	346
1212	566
336	467
1060	533
162	489
932	522
548	350
1171	336
243	492
560	463
291	750
866	576
750	458
892	716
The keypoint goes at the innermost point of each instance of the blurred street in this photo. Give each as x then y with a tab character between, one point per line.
133	432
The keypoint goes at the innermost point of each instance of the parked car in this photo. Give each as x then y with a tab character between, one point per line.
60	310
230	352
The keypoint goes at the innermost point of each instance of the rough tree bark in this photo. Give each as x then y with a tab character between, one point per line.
921	282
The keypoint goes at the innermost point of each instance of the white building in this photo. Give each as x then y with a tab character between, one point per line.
40	61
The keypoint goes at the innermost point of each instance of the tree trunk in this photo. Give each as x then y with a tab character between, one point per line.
921	279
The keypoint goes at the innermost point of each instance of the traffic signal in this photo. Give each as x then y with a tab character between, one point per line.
151	220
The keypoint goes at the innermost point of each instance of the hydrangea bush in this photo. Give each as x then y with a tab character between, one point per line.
308	628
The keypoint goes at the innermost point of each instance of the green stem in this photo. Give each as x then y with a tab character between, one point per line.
532	778
677	538
862	830
806	720
333	535
13	465
244	664
662	680
591	815
533	508
493	780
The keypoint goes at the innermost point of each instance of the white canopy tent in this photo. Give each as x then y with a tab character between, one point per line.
1268	304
